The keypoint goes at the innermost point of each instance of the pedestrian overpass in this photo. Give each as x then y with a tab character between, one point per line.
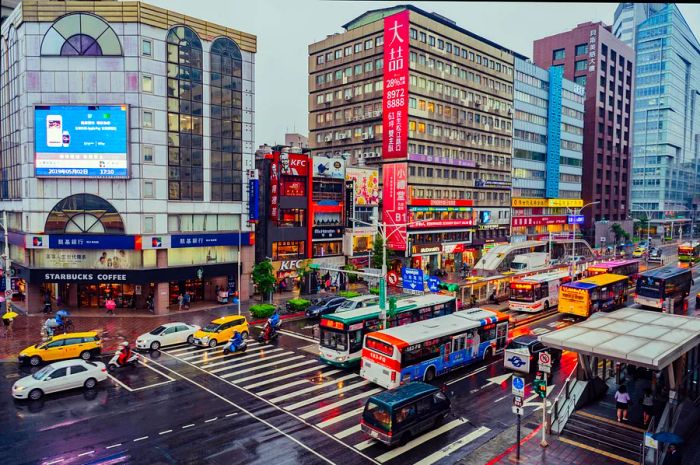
666	344
498	259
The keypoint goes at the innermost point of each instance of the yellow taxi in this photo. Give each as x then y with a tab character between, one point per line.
638	252
220	330
63	346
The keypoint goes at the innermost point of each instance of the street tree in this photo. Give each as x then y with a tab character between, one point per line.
264	278
377	251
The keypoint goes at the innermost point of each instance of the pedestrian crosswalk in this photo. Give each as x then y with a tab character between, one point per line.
329	398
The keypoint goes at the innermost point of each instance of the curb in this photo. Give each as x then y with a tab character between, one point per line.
289	316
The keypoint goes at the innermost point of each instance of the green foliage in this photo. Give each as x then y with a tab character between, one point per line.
619	232
264	278
374	290
262	310
298	305
352	277
348	294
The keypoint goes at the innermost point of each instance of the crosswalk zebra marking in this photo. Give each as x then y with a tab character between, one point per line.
339	418
233	357
294	383
260	357
393	453
312	388
264	365
365	444
175	350
342	390
348	432
202	352
450	448
340	403
278	370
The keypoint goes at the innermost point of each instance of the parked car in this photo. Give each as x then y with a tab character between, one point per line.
167	334
61	347
60	376
359	302
522	354
324	306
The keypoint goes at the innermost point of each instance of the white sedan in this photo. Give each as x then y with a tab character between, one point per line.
60	376
165	335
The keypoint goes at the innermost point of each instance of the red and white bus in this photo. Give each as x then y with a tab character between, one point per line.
426	349
538	292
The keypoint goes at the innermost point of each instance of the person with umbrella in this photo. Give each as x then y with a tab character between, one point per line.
110	305
7	319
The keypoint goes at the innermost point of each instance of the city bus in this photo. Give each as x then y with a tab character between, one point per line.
341	333
426	349
689	252
669	285
538	292
626	267
604	292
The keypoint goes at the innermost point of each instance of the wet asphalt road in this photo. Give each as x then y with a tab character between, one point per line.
275	404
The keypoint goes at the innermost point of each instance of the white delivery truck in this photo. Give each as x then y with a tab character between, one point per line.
530	262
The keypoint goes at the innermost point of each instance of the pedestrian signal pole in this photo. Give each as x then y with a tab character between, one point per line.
540	385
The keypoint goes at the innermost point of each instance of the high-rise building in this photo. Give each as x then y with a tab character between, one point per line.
628	16
547	152
432	109
127	135
666	121
591	56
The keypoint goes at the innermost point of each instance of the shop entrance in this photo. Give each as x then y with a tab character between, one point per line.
95	295
195	287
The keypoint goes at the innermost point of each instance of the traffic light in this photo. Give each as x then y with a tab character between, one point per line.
392	307
540	386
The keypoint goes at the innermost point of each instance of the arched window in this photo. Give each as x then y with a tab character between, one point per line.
185	115
226	121
80	34
84	214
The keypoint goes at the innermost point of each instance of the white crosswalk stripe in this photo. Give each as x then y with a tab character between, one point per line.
348	432
336	392
293	383
258	359
279	399
458	444
203	352
340	403
231	357
264	365
177	350
393	453
341	417
277	370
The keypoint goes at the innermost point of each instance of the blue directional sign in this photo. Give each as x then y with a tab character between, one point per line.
434	284
518	386
412	278
575	219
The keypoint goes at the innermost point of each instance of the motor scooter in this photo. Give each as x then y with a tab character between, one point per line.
229	349
268	333
117	360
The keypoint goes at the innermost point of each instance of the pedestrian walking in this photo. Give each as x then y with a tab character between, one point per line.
623	400
674	456
7	324
110	305
186	300
647	406
180	300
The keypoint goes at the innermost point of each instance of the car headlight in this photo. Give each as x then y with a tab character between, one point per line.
341	358
18	388
205	339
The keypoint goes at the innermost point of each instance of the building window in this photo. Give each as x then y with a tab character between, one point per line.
323	249
226	121
185	115
558	54
581	65
149	225
292	217
146	47
319	59
147	153
147	119
288	250
78	34
148	190
581	49
147	83
580	80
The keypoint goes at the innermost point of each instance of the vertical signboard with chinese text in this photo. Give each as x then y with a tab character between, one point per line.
274	188
395	93
395	208
253	196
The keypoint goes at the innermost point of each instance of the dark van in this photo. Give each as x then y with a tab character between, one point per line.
397	415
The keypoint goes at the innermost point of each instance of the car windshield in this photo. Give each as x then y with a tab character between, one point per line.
158	330
347	305
211	328
518	266
518	345
43	372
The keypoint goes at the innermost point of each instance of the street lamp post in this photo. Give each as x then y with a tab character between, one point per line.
573	237
8	277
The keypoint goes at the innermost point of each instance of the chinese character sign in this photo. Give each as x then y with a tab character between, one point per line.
274	189
395	94
395	211
591	50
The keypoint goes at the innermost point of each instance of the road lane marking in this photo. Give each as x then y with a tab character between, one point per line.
116	445
202	352
217	357
165	432
176	350
140	439
120	383
279	370
597	451
335	392
365	444
312	388
385	457
294	383
259	358
264	365
500	399
458	444
211	419
232	414
188	426
478	370
251	414
348	432
340	403
339	418
297	335
86	453
238	358
151	386
54	461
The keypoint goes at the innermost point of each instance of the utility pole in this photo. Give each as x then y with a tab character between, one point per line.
8	277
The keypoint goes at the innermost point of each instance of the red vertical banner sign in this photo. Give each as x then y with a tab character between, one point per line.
395	93
274	188
395	208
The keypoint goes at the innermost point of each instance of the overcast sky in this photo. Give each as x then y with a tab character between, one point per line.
285	28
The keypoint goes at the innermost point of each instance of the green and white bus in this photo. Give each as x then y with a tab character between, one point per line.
342	333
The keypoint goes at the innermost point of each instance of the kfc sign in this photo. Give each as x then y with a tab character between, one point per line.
395	93
294	164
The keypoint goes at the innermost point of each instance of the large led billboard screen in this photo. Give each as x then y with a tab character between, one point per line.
81	141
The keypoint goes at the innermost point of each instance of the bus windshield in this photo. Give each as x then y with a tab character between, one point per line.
649	287
332	339
522	292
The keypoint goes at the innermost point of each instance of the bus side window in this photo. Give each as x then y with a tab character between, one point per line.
406	414
425	405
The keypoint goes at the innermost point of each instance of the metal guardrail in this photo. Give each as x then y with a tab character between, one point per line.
555	414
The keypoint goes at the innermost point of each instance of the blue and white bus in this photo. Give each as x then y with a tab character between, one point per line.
426	349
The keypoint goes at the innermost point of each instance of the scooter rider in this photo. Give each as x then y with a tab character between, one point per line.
236	341
124	353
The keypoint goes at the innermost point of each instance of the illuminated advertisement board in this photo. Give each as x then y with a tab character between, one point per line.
81	141
395	93
395	209
365	185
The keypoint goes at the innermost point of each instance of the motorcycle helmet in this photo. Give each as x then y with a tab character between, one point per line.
124	344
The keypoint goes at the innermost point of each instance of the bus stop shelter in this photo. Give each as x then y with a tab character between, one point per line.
642	338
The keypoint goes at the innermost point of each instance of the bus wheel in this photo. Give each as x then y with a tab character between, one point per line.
429	374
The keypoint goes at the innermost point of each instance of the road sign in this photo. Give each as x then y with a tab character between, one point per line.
8	293
544	368
412	278
518	410
517	360
518	401
393	278
518	386
434	284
